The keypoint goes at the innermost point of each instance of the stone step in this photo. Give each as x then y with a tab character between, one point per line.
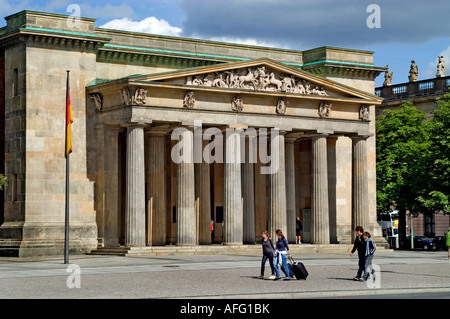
220	249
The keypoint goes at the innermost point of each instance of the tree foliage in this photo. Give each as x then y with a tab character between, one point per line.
3	182
413	159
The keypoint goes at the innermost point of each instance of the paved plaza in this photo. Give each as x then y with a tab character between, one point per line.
220	277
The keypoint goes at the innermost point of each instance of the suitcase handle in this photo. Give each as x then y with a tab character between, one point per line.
291	260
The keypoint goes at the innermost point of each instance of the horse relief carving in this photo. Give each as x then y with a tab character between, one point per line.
257	78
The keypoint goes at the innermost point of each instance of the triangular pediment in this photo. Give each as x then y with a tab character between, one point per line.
259	75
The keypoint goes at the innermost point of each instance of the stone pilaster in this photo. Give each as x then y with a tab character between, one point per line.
290	189
360	188
203	199
332	168
135	187
186	221
319	202
277	217
111	186
248	193
156	187
233	217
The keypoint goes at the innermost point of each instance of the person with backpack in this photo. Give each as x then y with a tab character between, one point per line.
370	250
268	252
282	251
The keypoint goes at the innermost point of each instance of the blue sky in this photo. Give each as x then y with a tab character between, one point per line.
408	29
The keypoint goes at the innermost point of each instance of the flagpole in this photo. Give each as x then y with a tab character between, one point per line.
66	237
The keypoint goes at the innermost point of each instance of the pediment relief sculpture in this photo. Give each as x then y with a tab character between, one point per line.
324	110
257	78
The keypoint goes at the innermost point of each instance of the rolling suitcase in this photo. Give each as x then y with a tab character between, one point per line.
298	269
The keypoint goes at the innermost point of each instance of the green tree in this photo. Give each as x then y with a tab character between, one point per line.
402	148
3	182
437	196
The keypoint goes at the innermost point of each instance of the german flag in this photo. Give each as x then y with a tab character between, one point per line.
69	119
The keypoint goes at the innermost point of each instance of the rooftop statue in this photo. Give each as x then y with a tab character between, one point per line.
413	72
440	67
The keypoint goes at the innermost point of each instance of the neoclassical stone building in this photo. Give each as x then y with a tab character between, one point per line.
173	134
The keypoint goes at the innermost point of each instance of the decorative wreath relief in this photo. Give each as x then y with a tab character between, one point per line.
281	107
364	113
189	100
324	109
237	104
139	96
98	101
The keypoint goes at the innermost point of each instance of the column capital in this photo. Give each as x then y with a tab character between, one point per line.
158	130
358	137
291	137
137	124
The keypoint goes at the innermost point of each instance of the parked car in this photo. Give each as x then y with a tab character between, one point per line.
421	242
440	242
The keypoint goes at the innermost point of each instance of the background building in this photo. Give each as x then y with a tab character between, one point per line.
424	95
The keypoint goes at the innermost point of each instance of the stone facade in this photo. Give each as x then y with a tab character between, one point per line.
130	94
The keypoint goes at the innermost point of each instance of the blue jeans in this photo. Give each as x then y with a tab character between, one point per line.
263	263
368	269
361	264
283	262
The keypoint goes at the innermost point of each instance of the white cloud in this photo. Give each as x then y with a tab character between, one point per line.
148	25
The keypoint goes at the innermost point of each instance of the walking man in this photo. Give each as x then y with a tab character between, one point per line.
360	246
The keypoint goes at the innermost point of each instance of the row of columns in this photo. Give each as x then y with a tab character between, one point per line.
239	223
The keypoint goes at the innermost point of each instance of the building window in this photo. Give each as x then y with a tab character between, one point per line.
429	225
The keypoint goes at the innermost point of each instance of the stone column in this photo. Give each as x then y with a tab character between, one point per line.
248	192
111	186
290	189
360	187
156	188
203	199
319	202
186	222
233	217
277	218
135	187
